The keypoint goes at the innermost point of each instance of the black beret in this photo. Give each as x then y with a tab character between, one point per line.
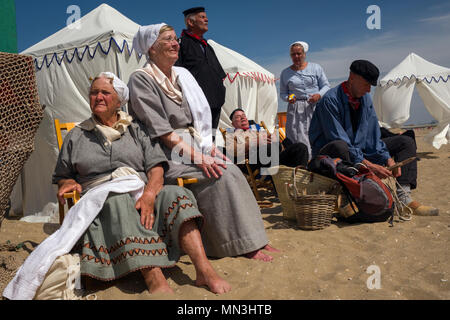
367	70
234	111
193	10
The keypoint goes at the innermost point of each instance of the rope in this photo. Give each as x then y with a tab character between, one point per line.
401	210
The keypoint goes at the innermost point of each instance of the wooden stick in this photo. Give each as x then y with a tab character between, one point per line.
401	163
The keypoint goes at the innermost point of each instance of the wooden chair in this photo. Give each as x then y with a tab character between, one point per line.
282	119
282	126
73	197
252	174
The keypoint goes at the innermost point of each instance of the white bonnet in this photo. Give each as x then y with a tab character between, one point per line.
303	44
146	37
120	87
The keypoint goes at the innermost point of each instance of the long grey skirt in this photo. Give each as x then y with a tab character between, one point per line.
298	119
232	219
116	243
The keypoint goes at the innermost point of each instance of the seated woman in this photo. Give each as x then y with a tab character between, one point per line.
169	101
126	235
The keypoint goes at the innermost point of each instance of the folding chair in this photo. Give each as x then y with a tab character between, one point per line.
251	174
282	126
74	197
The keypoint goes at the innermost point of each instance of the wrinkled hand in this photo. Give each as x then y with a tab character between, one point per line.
397	172
146	205
292	100
68	185
314	98
211	166
380	171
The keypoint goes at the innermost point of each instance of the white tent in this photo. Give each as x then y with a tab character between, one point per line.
248	86
393	95
67	60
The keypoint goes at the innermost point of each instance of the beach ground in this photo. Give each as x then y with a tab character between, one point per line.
413	257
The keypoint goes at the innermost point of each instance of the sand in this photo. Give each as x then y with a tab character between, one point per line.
413	257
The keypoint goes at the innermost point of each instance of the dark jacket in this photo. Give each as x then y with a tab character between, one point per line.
205	67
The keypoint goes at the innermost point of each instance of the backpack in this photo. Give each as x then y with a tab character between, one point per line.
362	187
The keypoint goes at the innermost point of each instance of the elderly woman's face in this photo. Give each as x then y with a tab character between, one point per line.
103	99
166	47
297	55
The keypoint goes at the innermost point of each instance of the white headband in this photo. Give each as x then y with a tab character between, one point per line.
120	87
145	37
303	44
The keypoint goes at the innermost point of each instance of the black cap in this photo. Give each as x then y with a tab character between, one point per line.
193	10
367	70
232	114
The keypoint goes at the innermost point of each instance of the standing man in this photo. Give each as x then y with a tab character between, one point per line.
345	125
200	59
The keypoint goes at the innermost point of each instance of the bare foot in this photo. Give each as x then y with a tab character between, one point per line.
270	248
161	289
215	283
259	255
155	281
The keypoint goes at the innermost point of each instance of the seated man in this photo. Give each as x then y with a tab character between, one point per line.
247	136
345	125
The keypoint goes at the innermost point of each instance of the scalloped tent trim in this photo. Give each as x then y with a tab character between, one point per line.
400	80
257	76
415	67
54	56
235	64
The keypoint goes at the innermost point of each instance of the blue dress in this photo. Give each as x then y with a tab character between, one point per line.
303	83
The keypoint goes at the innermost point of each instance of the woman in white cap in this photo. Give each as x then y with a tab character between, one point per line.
169	101
301	85
128	236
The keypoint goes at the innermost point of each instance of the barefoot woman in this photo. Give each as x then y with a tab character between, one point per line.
126	236
173	107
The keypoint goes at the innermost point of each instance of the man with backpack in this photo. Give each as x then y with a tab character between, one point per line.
345	126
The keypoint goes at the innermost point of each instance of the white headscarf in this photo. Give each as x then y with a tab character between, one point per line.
146	37
303	44
120	87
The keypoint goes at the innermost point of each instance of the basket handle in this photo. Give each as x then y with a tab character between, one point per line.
294	173
311	176
289	191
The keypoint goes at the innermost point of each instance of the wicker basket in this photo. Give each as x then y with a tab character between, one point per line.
306	182
314	212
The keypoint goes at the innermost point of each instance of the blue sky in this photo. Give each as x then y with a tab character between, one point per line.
263	30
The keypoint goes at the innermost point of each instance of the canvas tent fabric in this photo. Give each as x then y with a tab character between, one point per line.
248	86
393	95
67	60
